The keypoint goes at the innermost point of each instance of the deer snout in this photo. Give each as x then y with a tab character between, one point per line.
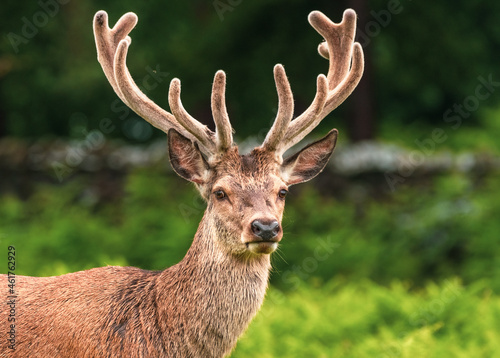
267	231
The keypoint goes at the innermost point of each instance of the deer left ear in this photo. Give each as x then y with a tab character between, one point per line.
186	159
310	161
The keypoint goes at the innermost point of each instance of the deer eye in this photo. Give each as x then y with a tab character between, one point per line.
220	194
282	193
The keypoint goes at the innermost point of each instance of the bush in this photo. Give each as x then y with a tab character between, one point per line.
362	319
434	231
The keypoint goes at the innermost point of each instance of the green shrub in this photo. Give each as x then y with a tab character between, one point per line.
362	319
434	231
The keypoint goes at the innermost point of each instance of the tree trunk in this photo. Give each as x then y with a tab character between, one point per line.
362	116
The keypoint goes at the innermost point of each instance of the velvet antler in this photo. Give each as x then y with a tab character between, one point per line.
345	70
344	73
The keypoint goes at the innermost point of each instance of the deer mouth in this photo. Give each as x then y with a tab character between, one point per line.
262	247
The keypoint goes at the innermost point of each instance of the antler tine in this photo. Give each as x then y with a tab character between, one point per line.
344	73
347	86
107	41
224	132
303	124
345	55
201	132
339	38
285	110
112	47
323	50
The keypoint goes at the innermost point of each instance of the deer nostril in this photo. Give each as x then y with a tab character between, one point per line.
265	231
256	227
275	228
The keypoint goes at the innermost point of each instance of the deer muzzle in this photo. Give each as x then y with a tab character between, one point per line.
265	236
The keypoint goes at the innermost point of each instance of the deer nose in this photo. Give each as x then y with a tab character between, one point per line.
266	231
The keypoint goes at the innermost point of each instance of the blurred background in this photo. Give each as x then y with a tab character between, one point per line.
391	252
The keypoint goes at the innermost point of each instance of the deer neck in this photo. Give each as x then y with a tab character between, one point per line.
213	293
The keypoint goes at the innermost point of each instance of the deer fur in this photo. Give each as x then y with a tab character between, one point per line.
183	311
200	306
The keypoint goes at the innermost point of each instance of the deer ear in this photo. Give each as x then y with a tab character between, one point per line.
310	161
186	159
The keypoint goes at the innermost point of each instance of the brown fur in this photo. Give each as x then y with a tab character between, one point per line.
185	311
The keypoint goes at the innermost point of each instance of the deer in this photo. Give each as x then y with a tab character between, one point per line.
200	306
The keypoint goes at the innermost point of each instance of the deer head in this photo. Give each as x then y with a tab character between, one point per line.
245	194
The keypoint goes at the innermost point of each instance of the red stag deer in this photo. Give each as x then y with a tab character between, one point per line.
200	306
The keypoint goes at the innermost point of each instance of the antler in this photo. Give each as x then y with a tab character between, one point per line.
344	73
112	47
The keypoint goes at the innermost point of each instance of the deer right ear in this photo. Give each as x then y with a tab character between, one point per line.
186	159
310	161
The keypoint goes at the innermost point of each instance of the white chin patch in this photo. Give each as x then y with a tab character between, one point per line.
262	247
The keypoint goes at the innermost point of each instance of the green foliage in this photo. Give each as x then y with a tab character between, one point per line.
362	319
58	230
416	65
435	231
159	220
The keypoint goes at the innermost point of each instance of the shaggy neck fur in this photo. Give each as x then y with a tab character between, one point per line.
212	294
